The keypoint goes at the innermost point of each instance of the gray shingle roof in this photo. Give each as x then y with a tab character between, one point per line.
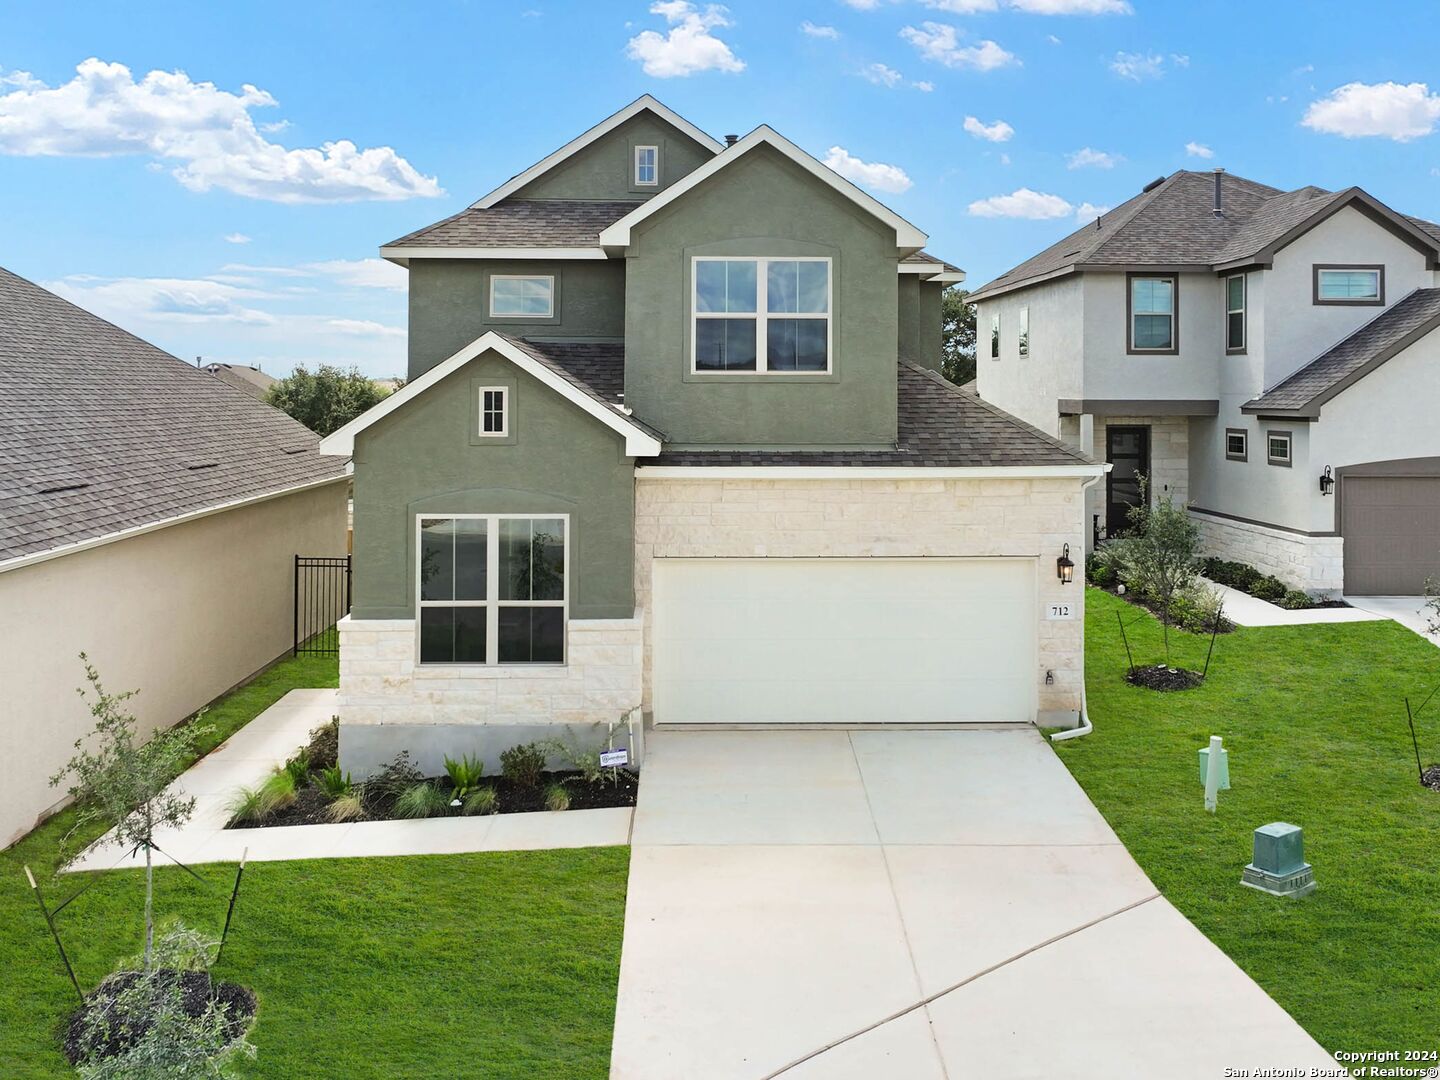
596	369
1173	224
522	223
103	432
1367	348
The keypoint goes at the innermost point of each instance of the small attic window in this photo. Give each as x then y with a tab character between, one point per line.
647	166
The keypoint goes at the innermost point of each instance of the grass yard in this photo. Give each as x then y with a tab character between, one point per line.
496	965
1314	719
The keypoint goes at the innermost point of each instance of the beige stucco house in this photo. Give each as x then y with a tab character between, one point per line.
149	516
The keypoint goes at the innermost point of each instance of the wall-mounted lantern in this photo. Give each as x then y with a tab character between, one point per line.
1327	481
1064	567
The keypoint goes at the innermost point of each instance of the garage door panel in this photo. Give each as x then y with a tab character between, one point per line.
1391	526
843	640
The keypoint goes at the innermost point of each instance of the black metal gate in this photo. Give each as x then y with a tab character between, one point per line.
322	598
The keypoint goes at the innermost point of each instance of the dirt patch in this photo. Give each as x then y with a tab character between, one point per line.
1160	677
197	991
1431	778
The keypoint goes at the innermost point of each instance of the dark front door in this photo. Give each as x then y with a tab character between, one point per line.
1128	451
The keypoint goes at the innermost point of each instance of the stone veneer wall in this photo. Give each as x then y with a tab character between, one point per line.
1315	564
1169	458
701	517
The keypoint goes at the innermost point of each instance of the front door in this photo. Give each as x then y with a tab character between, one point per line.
1127	449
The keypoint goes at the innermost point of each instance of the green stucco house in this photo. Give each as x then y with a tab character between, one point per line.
674	444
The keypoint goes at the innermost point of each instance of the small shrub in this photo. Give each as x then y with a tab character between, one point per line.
1098	570
325	745
1295	600
394	779
345	807
279	788
465	774
557	797
333	782
523	764
1268	588
255	804
421	801
299	767
482	800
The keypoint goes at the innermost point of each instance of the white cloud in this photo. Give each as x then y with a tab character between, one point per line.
165	300
1004	159
999	131
962	7
354	273
364	327
881	75
941	43
208	132
1072	7
1086	157
1200	150
237	238
1089	211
1022	203
871	174
1138	66
862	5
1399	111
924	86
1052	39
827	32
1180	60
689	46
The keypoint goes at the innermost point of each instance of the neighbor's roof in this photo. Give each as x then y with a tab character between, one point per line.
252	380
102	432
1399	326
1173	225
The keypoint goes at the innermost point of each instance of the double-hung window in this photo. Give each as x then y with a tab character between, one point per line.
522	296
761	315
647	166
1277	447
492	588
1362	285
1235	313
1152	314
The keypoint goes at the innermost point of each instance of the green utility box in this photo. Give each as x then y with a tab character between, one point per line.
1278	865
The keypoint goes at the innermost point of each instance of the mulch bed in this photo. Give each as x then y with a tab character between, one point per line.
511	798
1160	677
1431	778
197	992
1226	626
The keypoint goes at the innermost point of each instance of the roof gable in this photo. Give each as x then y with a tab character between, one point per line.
641	440
645	103
907	236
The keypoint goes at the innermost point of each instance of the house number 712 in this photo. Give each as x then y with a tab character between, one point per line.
1059	611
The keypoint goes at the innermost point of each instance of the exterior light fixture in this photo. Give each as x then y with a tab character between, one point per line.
1327	481
1064	567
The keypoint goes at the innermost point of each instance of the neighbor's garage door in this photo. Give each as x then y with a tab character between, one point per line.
1391	526
831	641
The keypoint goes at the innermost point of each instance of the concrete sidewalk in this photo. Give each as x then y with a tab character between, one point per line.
909	904
1408	611
1245	610
249	755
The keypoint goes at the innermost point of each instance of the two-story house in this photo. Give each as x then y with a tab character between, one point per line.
674	438
1265	356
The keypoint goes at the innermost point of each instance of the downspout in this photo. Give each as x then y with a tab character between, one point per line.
1085	727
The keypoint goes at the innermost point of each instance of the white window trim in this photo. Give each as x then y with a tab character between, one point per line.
761	316
492	602
550	314
1288	458
1022	338
654	165
1370	299
1243	454
504	392
1241	311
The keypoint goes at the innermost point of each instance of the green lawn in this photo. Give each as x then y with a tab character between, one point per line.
1314	719
495	965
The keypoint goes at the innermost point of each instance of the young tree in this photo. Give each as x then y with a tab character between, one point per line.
957	328
325	399
119	780
1161	553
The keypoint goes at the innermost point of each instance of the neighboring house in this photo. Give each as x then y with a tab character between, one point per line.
149	516
250	379
673	437
1265	356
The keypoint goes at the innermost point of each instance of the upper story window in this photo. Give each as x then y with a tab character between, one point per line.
1237	444
1235	313
647	166
1340	284
1152	313
522	296
494	411
491	589
1023	341
761	315
1277	447
995	336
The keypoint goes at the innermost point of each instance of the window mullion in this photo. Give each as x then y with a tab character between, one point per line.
762	314
492	590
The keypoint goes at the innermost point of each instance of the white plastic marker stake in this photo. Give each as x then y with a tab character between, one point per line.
1212	774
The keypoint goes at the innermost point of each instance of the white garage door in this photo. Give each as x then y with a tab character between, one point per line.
843	641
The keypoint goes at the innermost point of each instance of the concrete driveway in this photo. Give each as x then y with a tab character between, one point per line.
1408	611
913	904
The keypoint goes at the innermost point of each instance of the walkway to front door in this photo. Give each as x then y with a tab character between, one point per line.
925	904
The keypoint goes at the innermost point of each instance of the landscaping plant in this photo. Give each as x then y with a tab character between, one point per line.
1161	554
421	801
557	797
465	774
120	780
481	801
1432	605
523	764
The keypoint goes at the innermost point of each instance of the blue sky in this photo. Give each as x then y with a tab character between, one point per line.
209	208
